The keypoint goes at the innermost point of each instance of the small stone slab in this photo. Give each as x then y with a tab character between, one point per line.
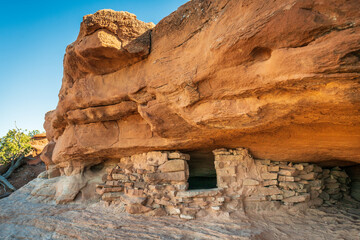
113	189
181	187
309	176
156	158
173	166
291	185
288	172
269	176
332	185
168	176
273	168
262	161
297	199
221	151
317	183
324	195
309	168
277	197
288	168
112	183
270	183
199	193
288	179
215	208
132	199
187	217
250	182
110	196
140	184
317	169
299	167
341	174
119	176
288	193
267	191
179	155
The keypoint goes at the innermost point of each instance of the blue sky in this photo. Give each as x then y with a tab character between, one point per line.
33	38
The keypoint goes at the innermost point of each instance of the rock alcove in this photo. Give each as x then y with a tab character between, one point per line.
262	82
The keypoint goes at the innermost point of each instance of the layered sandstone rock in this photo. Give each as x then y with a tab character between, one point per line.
38	143
280	78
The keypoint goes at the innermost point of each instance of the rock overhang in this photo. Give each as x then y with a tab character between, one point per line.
213	74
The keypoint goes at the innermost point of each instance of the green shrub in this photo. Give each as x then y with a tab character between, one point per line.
15	143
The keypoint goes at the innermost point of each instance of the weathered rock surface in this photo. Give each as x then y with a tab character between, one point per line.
280	78
38	143
24	217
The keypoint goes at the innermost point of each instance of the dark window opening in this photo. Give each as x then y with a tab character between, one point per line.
354	174
202	171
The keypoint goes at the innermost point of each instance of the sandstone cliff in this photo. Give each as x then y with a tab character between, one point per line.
279	78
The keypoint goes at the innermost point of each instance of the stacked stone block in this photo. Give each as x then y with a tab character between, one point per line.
337	185
289	183
155	183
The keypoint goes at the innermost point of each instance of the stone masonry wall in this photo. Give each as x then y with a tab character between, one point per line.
265	180
155	183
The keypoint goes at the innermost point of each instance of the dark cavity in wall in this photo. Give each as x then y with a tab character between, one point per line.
202	170
354	174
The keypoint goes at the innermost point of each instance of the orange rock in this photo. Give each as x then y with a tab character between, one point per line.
38	143
46	154
280	79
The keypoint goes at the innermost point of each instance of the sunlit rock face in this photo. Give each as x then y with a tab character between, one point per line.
279	78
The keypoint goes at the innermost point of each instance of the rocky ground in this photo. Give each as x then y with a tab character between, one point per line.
23	217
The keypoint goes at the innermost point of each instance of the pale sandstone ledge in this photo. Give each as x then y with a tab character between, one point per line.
281	79
25	217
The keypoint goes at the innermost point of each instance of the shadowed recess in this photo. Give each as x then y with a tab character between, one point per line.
202	170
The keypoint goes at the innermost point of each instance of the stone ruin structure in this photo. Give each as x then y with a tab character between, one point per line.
156	183
280	79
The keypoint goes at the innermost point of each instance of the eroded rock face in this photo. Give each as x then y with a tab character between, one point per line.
22	216
108	41
280	78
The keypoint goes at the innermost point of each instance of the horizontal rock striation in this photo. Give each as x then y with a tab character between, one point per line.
279	78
